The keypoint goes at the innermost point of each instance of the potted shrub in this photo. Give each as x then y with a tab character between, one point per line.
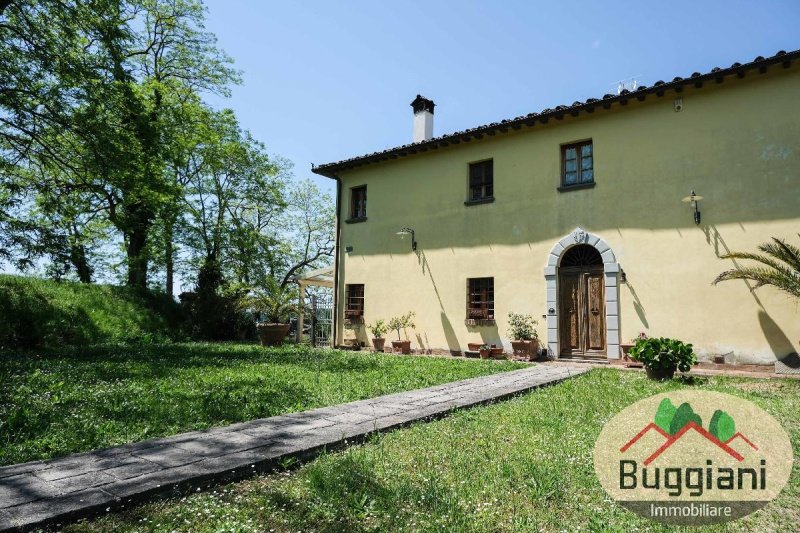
485	350
379	329
272	305
474	346
626	346
661	356
525	338
402	322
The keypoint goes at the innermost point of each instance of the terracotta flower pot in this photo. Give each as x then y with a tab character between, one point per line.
272	334
496	351
378	344
485	354
474	346
528	349
403	347
660	374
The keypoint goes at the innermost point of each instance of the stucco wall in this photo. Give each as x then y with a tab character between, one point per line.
737	144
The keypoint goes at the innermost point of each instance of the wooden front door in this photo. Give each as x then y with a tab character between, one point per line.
582	313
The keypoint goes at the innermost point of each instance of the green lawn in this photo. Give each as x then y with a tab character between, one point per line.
521	465
71	400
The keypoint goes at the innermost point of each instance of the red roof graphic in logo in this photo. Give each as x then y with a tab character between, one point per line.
740	436
672	439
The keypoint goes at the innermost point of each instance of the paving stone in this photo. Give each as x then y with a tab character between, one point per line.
41	493
24	468
82	482
136	467
168	456
23	488
58	508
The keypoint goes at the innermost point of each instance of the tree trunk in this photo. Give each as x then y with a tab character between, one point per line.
136	249
169	257
77	256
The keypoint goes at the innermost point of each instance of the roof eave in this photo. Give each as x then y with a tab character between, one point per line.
697	80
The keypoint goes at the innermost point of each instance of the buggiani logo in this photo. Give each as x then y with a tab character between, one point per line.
661	462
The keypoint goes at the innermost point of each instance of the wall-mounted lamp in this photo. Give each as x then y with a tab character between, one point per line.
348	249
408	231
693	199
623	277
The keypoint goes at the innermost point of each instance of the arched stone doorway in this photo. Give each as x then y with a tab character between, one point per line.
582	282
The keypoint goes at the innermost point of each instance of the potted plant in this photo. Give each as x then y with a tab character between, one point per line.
272	305
626	346
525	338
379	329
661	356
402	322
485	350
474	346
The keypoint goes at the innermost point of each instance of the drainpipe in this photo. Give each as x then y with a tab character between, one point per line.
335	318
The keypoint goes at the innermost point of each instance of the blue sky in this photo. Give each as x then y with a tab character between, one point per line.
327	80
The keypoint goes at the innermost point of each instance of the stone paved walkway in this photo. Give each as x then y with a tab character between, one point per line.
61	490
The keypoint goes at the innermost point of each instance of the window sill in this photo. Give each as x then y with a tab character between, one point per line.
474	322
355	220
479	201
580	186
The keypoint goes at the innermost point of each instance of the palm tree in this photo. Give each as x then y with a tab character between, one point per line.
779	267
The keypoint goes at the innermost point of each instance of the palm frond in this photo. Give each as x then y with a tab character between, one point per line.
781	267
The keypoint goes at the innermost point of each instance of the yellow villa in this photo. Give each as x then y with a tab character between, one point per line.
601	219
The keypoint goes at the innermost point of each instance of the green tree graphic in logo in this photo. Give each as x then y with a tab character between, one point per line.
672	420
722	425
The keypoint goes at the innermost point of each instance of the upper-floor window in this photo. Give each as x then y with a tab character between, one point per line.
354	301
480	298
358	202
481	181
577	164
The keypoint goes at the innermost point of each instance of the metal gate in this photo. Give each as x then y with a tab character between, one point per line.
321	320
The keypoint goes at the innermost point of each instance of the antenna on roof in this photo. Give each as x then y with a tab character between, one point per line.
628	84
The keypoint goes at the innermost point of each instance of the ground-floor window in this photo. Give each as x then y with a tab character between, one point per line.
354	301
480	299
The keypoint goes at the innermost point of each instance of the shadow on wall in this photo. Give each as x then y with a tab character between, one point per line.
714	238
779	343
489	334
447	326
637	305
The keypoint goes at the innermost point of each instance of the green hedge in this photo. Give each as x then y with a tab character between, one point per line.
36	312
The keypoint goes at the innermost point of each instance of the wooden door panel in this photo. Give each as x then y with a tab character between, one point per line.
595	312
569	312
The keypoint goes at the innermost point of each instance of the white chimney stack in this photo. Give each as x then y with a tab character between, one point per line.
423	118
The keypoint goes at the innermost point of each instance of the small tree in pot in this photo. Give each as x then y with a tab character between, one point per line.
661	357
379	329
272	305
402	322
525	338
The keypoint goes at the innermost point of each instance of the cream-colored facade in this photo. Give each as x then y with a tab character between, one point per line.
736	143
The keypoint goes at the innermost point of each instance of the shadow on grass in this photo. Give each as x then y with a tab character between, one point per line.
345	492
690	380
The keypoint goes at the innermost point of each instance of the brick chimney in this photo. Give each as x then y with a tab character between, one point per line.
423	118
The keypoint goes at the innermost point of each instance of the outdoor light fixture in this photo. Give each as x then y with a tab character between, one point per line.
693	199
408	231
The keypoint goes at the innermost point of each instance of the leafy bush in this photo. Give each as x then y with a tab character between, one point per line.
660	353
402	322
522	327
379	328
36	313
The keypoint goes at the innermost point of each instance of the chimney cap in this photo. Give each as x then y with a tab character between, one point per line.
421	104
